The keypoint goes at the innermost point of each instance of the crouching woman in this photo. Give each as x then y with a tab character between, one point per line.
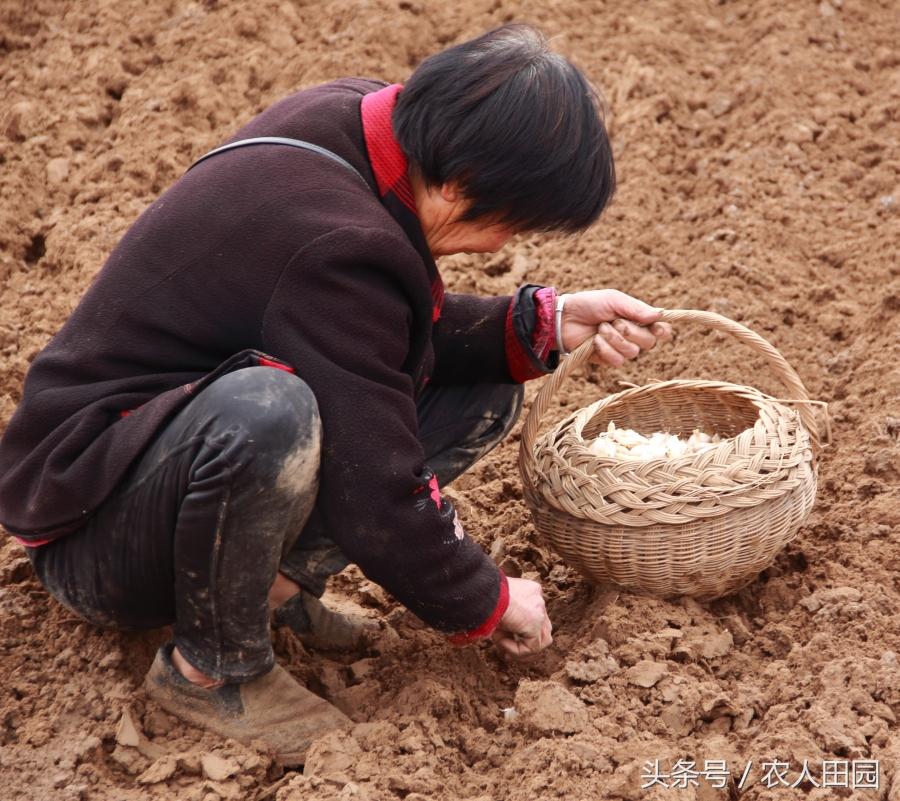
267	381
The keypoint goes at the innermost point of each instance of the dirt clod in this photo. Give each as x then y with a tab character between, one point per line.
218	768
645	673
550	708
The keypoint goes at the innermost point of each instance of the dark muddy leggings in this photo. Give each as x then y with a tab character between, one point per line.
196	532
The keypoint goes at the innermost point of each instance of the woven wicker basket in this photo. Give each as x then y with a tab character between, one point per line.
702	525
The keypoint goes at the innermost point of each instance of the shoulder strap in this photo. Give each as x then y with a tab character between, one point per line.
281	140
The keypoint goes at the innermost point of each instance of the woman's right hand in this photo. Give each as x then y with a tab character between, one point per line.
622	326
525	629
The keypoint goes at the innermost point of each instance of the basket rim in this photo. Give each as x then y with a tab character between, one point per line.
757	398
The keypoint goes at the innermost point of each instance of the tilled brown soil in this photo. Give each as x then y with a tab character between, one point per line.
757	146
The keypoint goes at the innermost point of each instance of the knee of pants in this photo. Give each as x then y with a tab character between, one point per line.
506	402
271	415
513	408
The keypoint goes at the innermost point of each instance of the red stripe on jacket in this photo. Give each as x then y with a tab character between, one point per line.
487	628
390	165
388	161
543	338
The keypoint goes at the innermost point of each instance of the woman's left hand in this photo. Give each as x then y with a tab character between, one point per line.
622	326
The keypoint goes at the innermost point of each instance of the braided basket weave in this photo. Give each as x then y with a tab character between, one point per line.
702	525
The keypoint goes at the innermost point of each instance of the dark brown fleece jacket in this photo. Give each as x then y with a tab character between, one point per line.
284	252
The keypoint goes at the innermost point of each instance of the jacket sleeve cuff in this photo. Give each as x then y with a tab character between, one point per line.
486	629
530	333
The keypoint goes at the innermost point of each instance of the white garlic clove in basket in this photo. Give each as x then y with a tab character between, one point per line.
628	438
676	448
648	451
660	441
603	446
698	437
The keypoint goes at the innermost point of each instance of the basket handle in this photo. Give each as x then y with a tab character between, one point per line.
578	357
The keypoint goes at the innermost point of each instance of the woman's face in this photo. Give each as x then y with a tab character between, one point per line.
475	236
441	210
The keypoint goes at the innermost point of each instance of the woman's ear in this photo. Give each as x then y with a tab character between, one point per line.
451	192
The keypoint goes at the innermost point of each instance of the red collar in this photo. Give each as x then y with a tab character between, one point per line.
388	162
390	168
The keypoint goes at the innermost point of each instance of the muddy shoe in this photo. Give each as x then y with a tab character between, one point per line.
273	708
322	628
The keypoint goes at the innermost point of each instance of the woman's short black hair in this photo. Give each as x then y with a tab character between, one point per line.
517	126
